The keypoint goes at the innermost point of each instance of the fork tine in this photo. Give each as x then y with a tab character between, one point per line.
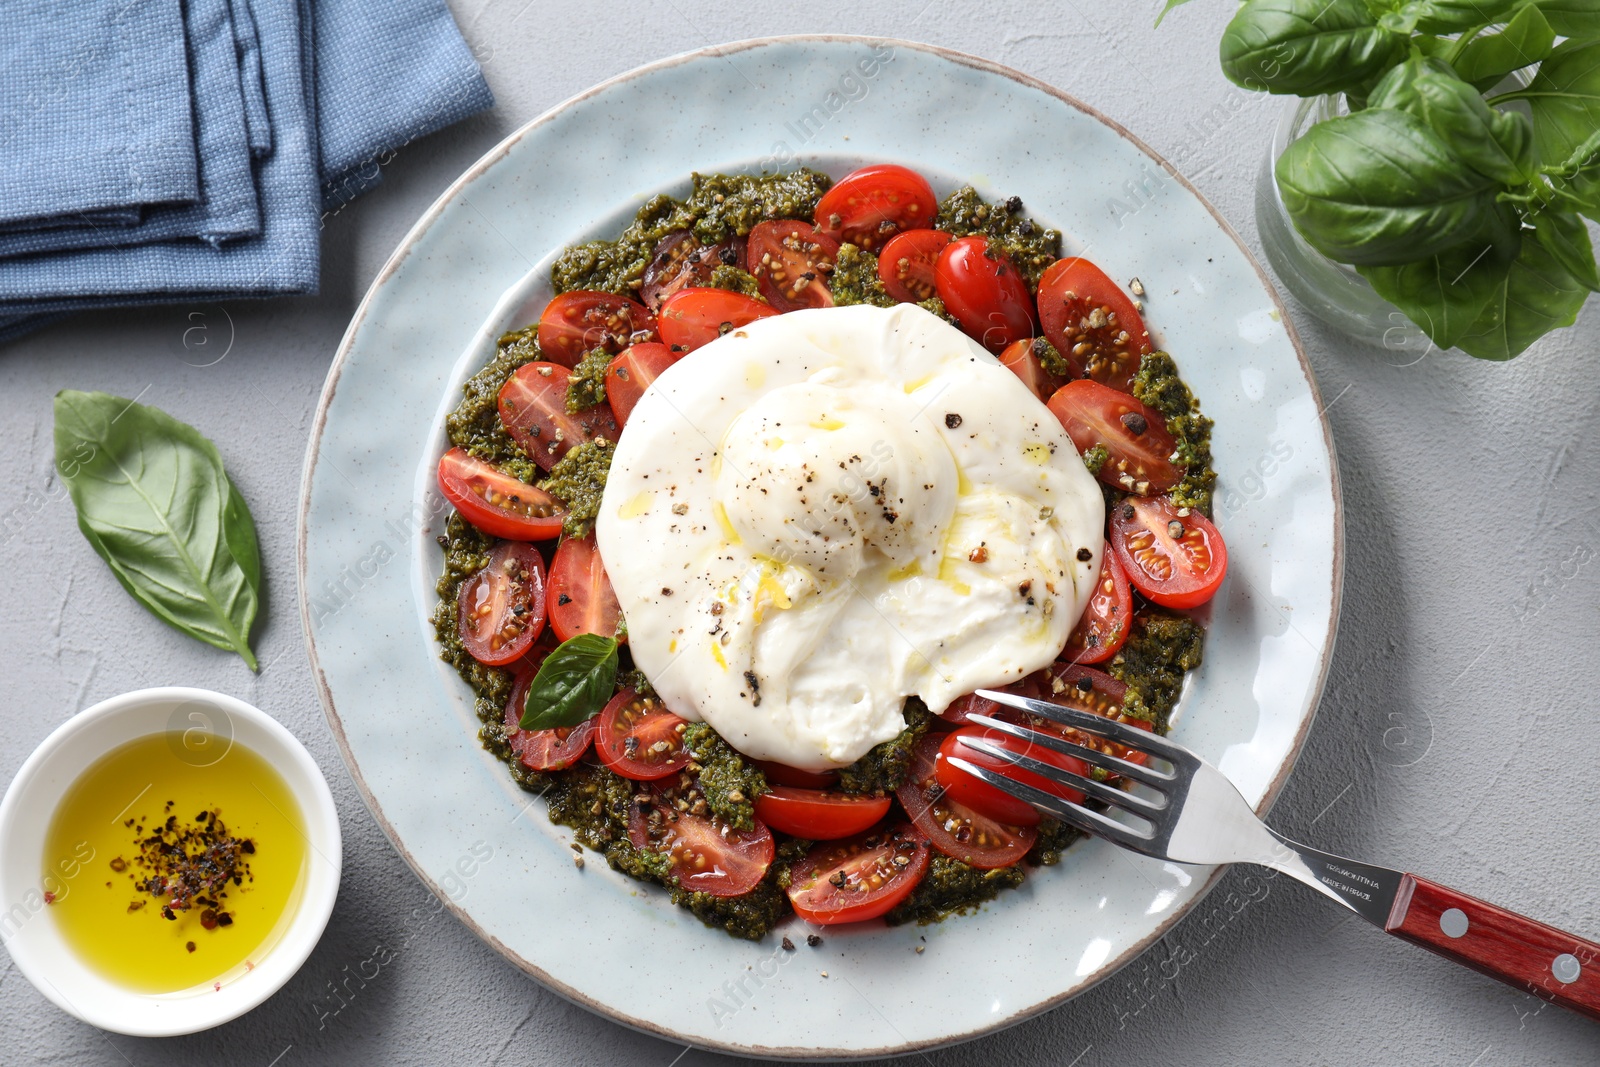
1093	757
1130	802
1074	815
1147	740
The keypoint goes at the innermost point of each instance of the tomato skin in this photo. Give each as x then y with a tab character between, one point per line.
1021	358
492	630
953	828
1071	291
495	502
679	261
631	373
873	881
577	321
580	595
708	855
1095	414
533	409
818	815
962	788
907	263
782	774
782	252
694	317
1098	693
645	721
555	749
1103	628
871	204
986	295
1175	571
963	707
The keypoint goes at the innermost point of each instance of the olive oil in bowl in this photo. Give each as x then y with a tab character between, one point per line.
175	873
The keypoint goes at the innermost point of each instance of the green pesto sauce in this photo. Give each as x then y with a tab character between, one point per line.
1096	458
578	480
951	887
718	206
884	768
1050	359
1029	247
475	424
727	276
586	386
1158	385
729	781
1054	838
466	552
1161	647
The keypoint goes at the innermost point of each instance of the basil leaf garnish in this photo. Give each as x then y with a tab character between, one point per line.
573	683
155	503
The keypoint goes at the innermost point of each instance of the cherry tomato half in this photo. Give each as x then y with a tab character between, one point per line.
639	739
708	855
963	707
817	814
533	409
1138	446
1103	627
1177	560
631	373
1098	693
583	319
953	828
859	878
694	317
497	503
1092	322
872	204
781	774
680	261
580	594
906	264
984	292
1022	359
555	749
962	788
792	261
501	609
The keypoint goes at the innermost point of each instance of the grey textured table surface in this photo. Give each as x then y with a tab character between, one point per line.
1457	736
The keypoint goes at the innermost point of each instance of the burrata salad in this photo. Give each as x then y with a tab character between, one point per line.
782	475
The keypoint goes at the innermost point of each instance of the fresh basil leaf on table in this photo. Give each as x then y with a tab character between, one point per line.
574	682
1526	40
1307	47
154	502
1538	295
1380	188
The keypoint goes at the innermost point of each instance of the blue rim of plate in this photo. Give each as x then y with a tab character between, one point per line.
440	883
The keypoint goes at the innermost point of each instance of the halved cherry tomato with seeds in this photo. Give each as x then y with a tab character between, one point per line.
817	814
1172	555
953	828
497	503
963	707
533	409
859	878
792	262
580	594
1092	322
694	317
983	290
555	749
680	261
1138	447
501	609
639	739
1103	627
906	264
1098	693
781	774
1022	359
584	319
872	204
708	855
962	788
631	373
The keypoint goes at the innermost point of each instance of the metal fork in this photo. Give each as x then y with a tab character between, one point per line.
1191	813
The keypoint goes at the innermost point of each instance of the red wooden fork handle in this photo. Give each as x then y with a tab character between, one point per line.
1539	959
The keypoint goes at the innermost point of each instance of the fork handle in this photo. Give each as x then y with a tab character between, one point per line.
1539	959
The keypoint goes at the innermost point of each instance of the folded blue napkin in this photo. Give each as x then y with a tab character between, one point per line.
251	115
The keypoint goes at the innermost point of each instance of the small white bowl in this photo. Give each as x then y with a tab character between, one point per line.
204	719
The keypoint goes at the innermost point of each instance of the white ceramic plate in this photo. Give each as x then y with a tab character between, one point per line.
478	263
